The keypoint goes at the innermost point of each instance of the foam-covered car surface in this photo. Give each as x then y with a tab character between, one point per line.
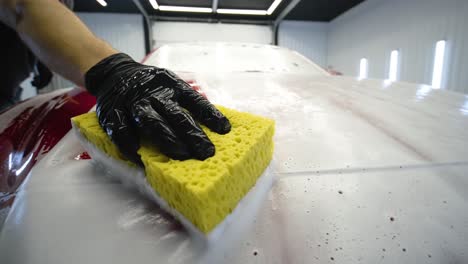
350	155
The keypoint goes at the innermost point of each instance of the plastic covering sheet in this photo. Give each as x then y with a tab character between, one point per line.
367	171
29	130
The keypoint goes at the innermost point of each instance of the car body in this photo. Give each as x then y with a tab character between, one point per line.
367	171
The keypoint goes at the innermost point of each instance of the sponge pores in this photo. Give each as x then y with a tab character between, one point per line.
204	192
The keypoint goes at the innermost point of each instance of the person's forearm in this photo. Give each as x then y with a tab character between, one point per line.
56	36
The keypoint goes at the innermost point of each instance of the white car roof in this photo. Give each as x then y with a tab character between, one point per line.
367	171
219	57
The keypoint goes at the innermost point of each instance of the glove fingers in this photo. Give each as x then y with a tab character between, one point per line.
203	110
153	127
117	125
186	128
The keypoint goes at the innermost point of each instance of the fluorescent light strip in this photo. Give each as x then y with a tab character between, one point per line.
154	4
242	11
363	68
270	10
102	2
273	6
393	69
438	64
186	9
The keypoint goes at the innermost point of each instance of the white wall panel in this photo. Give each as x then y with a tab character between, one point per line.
124	32
172	32
308	38
376	27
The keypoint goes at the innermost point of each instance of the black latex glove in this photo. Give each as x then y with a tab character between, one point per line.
42	76
136	101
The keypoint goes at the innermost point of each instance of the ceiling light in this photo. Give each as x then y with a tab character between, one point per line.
102	2
154	4
273	7
241	11
186	9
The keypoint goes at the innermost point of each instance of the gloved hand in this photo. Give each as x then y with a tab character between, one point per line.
138	102
42	76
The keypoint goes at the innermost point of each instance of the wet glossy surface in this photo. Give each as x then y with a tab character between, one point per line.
215	58
368	171
329	123
29	131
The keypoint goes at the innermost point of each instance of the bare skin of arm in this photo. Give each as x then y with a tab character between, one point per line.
56	36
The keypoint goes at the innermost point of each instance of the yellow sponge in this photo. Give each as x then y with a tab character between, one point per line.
204	192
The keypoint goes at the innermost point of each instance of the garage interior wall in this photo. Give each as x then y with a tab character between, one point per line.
308	38
123	31
376	27
369	30
166	32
